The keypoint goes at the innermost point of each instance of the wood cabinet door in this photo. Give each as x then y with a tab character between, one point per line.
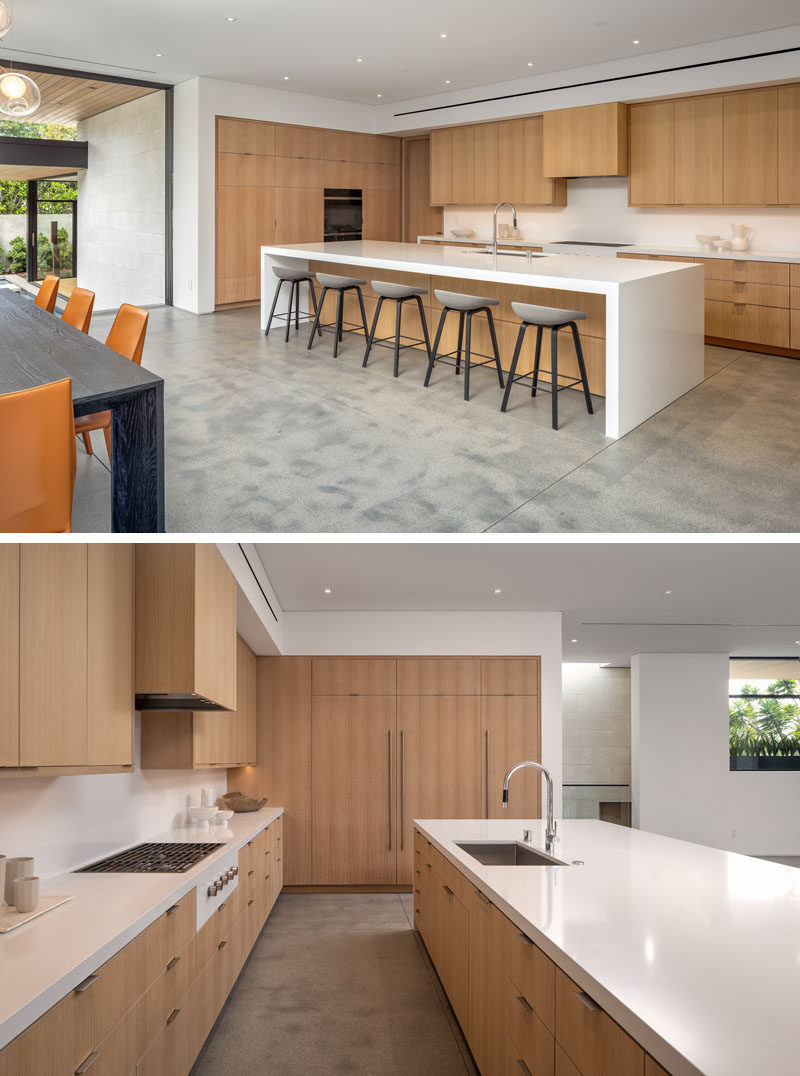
789	145
214	626
510	676
53	648
438	765
511	734
354	746
245	136
485	1025
381	215
538	189
245	222
441	167
463	177
419	216
751	148
486	190
298	215
438	676
9	654
595	1043
511	160
109	720
651	175
459	961
698	151
291	141
245	740
652	1067
353	676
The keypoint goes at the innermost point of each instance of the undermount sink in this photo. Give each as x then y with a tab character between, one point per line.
508	854
507	253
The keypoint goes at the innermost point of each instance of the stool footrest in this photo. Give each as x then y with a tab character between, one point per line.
529	377
388	342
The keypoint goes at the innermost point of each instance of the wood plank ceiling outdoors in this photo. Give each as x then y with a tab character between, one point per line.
23	171
66	99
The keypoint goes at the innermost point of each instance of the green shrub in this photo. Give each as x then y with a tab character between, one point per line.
17	255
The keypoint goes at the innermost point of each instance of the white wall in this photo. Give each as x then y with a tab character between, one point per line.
66	821
682	785
197	104
121	220
445	633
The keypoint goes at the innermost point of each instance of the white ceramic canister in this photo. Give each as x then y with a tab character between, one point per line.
19	867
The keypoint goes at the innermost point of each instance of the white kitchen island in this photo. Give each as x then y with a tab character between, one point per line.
653	310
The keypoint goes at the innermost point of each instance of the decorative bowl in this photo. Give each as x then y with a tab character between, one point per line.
238	802
223	817
707	241
462	233
202	815
725	244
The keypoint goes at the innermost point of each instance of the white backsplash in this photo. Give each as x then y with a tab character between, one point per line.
598	210
66	821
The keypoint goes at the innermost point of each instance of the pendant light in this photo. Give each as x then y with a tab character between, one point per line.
5	18
19	94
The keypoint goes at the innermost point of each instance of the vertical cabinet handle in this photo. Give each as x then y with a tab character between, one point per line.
87	1063
587	1002
402	791
488	799
391	787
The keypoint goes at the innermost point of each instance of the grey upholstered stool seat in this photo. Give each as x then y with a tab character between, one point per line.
396	291
466	306
546	315
552	318
294	277
454	300
399	294
339	284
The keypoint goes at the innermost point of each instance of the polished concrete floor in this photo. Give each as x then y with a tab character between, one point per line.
264	436
337	983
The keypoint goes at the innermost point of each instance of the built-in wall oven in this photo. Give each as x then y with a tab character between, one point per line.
343	218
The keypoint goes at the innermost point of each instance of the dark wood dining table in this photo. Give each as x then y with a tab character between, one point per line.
37	348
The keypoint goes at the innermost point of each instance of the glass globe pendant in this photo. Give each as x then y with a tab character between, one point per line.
19	94
5	18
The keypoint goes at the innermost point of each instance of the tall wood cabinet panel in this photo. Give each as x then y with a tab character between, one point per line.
109	719
229	739
463	174
381	214
652	153
539	189
511	159
438	765
419	216
353	791
511	734
485	163
699	151
9	654
442	167
53	651
354	676
751	147
789	145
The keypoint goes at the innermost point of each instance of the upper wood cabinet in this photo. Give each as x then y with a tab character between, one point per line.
510	676
9	654
789	145
438	676
185	622
492	162
588	141
245	136
109	732
652	158
305	142
698	151
751	148
354	676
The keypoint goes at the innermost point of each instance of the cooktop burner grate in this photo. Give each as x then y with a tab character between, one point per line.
152	859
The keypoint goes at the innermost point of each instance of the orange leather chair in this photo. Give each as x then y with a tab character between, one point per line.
78	311
37	432
48	293
126	336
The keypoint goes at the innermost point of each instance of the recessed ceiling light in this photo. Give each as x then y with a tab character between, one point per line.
573	640
530	63
159	55
442	35
447	82
668	591
797	642
497	590
637	42
230	18
379	95
359	59
285	78
327	590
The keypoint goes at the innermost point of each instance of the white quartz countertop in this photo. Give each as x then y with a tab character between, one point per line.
563	271
728	255
46	958
454	240
694	951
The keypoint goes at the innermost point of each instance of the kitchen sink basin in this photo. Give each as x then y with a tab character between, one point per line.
507	253
508	854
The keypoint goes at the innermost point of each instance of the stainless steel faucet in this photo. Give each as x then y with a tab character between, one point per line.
550	830
494	223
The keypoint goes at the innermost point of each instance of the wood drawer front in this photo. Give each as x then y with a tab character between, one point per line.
532	1043
590	1038
739	291
750	324
174	1049
794	297
532	973
438	676
564	1066
452	877
166	938
116	1054
510	676
163	996
794	321
652	1067
218	929
353	676
749	272
794	276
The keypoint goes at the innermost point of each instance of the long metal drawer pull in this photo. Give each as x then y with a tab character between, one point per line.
524	1067
175	960
391	787
90	980
250	872
526	1005
87	1063
174	908
222	944
172	1016
402	791
587	1002
251	901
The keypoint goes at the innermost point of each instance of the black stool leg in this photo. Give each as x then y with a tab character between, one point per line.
397	321
274	304
494	346
537	357
512	372
337	329
424	322
363	311
582	367
460	342
435	349
554	374
317	313
289	315
297	306
467	352
371	336
312	292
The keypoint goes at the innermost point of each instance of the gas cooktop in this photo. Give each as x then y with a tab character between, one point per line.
152	858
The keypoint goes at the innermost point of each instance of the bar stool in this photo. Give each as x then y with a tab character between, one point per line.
399	294
295	277
465	306
339	284
548	317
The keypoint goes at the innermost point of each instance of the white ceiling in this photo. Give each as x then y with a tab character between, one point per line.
317	42
743	598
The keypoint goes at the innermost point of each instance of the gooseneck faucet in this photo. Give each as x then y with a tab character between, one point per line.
500	205
550	830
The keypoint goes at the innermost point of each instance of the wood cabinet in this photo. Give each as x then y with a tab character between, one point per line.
751	148
462	183
353	792
510	727
587	141
354	676
185	622
419	216
438	676
652	153
9	654
486	162
652	1068
789	145
590	1038
484	1032
381	214
299	214
442	167
110	717
698	151
511	158
538	189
